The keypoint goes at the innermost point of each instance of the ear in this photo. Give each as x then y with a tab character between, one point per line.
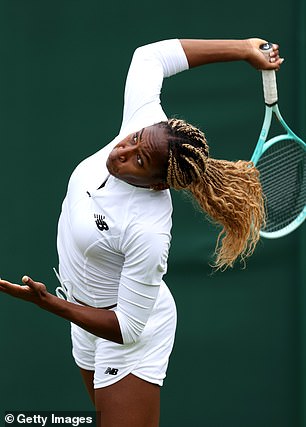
160	186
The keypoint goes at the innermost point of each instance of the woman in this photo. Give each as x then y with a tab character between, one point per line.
114	232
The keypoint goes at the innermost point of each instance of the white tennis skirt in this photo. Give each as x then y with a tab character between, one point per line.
147	358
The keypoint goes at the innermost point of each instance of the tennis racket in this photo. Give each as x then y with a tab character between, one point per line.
281	161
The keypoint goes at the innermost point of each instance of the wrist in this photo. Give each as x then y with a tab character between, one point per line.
247	49
46	301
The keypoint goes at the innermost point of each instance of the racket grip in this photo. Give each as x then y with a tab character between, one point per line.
269	78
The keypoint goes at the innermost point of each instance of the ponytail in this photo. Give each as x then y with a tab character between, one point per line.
228	192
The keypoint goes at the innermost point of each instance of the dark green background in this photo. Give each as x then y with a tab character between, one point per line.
239	354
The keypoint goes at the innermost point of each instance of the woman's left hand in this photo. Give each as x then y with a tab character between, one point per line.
30	291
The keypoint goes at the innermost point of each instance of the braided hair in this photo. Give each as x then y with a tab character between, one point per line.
228	192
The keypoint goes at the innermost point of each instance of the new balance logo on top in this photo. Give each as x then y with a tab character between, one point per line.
111	371
101	224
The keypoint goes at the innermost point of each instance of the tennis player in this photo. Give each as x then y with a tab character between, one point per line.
114	232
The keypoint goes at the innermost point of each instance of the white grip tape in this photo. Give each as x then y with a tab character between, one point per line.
269	81
269	86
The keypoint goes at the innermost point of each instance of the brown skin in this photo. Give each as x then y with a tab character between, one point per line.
138	160
201	52
131	402
102	323
125	395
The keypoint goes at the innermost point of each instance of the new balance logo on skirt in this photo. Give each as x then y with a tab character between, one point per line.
111	371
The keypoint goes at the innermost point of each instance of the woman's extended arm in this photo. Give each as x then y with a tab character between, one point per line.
201	52
100	322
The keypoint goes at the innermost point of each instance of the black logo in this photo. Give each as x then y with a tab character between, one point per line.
101	224
111	371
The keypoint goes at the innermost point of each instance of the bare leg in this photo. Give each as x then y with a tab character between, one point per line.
131	402
88	380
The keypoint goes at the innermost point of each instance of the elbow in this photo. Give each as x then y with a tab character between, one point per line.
142	52
118	340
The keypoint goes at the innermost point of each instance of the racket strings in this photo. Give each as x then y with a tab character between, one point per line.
288	181
283	177
268	159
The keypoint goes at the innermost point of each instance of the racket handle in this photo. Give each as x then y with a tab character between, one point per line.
269	78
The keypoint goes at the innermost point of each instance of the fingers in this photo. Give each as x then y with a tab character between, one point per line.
26	280
10	288
263	60
274	57
29	290
4	284
273	60
36	287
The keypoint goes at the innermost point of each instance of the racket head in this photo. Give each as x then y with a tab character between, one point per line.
282	167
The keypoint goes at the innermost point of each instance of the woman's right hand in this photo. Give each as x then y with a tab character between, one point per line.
258	60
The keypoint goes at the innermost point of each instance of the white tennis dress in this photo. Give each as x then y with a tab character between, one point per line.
113	241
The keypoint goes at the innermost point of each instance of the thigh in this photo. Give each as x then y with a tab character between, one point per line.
88	377
130	402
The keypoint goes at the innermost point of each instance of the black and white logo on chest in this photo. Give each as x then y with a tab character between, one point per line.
100	222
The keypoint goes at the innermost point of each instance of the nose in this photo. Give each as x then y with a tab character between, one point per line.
125	152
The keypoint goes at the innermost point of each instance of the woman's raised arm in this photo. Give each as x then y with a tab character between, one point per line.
201	52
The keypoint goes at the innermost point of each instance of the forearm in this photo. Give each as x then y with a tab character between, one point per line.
201	52
100	322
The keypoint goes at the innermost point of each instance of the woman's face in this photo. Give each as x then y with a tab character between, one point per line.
141	158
